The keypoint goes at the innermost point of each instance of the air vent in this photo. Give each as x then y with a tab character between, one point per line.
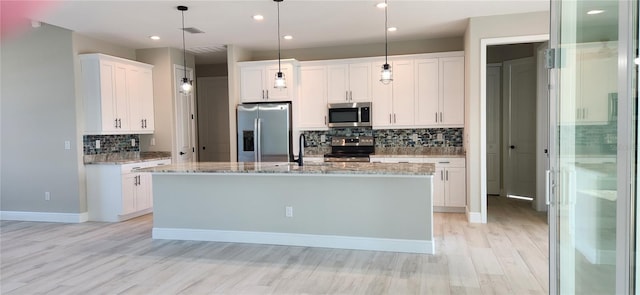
193	30
207	49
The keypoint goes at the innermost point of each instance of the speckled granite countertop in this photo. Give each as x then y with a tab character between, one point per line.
400	152
125	158
406	169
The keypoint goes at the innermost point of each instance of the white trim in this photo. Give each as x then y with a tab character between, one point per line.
291	239
474	217
44	216
483	109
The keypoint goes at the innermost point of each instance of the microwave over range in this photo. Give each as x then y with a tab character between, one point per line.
350	114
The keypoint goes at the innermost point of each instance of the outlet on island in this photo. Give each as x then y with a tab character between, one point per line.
288	211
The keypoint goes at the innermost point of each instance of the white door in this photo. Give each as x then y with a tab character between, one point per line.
452	91
360	82
129	186
312	103
337	87
252	84
185	119
455	189
122	100
108	94
278	94
520	126
213	119
382	96
439	184
427	91
494	121
403	93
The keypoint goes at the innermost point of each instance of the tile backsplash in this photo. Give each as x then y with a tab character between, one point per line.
592	139
110	144
427	137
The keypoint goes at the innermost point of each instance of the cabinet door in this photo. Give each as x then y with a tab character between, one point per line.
439	187
108	95
313	97
129	188
382	106
403	93
135	100
279	94
427	92
252	84
337	83
456	195
146	97
360	82
122	98
143	192
452	91
597	80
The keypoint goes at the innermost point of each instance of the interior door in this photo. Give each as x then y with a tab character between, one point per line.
185	119
520	126
494	120
583	158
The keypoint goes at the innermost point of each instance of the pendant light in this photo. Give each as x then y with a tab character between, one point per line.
186	83
386	76
280	81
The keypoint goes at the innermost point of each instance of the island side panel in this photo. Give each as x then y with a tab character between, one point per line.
384	207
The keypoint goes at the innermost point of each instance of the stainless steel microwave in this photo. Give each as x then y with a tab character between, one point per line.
356	114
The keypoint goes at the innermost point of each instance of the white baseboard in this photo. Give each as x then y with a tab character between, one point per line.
289	239
44	216
474	217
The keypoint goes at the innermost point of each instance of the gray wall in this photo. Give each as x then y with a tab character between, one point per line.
214	70
38	115
500	53
365	50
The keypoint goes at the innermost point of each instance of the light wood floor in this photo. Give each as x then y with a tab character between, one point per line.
508	255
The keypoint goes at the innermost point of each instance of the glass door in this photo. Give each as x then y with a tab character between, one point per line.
593	146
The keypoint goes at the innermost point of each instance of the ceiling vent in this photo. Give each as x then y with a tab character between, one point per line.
193	30
208	49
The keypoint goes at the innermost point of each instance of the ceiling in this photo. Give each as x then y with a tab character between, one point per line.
311	23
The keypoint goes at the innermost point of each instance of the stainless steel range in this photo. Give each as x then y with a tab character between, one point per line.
350	149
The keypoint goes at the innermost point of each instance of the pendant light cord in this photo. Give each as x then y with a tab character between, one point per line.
386	28
279	69
184	49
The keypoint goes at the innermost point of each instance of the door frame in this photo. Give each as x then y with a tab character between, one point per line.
484	43
192	108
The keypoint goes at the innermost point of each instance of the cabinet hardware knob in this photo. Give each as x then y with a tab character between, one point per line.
181	153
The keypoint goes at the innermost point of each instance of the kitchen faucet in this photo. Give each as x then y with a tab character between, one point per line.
301	142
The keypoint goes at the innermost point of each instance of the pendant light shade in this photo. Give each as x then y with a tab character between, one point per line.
187	84
386	76
280	81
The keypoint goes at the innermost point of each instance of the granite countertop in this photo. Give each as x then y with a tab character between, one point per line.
404	169
125	158
400	152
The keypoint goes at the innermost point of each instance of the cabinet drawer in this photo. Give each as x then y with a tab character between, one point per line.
446	162
128	168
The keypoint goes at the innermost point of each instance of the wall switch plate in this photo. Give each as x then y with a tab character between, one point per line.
67	145
153	141
440	137
288	211
133	142
414	137
323	138
97	143
47	196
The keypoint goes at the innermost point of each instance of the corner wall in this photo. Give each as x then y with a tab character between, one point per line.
235	54
535	23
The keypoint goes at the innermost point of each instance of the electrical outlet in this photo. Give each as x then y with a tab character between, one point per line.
440	137
47	196
97	143
288	211
414	137
67	145
133	142
323	138
153	141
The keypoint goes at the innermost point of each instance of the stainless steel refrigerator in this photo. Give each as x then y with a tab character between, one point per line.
264	132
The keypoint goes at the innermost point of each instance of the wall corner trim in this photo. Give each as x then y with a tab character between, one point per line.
44	216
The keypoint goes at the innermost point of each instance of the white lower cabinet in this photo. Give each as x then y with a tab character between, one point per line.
449	181
118	192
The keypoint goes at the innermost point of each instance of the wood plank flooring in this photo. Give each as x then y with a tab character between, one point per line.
508	255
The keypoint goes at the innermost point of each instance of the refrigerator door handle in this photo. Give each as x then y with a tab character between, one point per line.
258	140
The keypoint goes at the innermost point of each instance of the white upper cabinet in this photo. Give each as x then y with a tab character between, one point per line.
118	95
312	103
393	104
382	105
597	68
257	81
349	82
440	92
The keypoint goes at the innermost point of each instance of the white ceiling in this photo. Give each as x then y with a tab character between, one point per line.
312	23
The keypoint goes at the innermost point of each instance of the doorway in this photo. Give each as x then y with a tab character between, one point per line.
512	76
185	132
213	119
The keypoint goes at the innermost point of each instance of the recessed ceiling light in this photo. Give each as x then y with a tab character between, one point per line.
156	38
392	29
287	37
258	17
381	5
595	11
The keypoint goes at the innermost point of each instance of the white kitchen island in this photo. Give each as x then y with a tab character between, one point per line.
368	206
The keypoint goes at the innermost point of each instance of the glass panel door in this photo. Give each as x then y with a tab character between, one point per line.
585	154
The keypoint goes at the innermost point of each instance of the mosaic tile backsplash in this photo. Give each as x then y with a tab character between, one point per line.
592	139
110	144
451	137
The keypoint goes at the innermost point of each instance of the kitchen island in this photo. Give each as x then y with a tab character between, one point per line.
368	206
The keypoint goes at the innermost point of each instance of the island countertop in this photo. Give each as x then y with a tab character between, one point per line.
403	169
